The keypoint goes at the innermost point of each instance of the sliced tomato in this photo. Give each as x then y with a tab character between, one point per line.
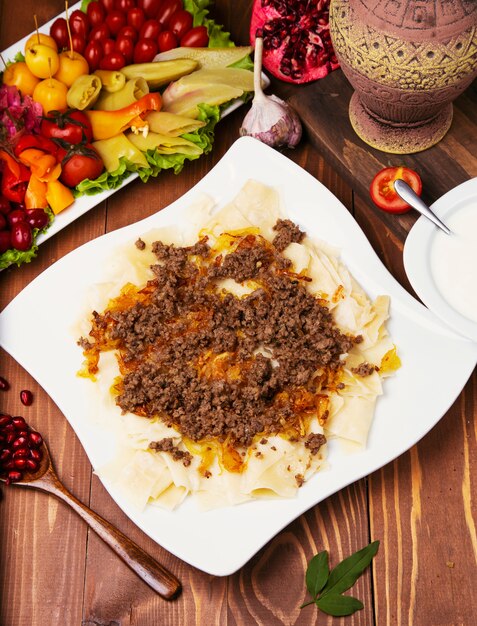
382	188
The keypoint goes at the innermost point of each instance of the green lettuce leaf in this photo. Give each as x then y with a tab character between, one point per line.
19	57
243	64
12	256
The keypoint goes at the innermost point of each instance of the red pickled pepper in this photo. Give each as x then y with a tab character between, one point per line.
15	178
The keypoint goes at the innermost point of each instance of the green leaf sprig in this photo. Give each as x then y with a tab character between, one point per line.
327	587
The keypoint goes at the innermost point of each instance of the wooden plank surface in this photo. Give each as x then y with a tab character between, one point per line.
323	107
421	506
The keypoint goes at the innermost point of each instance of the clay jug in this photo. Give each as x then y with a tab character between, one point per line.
407	61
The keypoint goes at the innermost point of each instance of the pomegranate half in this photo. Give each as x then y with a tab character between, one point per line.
297	46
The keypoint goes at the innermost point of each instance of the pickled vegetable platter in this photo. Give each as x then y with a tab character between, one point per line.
109	91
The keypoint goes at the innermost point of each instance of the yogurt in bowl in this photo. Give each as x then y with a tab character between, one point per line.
443	268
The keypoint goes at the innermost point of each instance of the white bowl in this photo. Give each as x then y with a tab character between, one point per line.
418	258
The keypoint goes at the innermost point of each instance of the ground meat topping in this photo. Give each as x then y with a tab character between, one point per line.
213	365
314	441
364	369
299	479
287	232
140	245
167	445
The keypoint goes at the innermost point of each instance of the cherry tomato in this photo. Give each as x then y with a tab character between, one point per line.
72	126
100	33
166	41
150	7
167	10
128	31
21	236
3	222
115	21
125	45
382	189
93	54
109	45
124	5
180	23
59	32
196	37
80	162
145	50
150	30
136	18
79	43
79	23
96	13
112	61
108	5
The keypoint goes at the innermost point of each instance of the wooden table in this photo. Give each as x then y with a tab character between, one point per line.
54	572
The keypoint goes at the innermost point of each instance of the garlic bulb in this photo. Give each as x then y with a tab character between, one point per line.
270	119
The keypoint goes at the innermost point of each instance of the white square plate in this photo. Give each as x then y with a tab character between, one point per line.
435	362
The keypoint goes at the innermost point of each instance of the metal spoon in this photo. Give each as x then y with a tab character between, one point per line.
408	195
151	572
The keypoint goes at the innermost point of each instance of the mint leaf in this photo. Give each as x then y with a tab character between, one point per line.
338	606
346	573
326	588
317	573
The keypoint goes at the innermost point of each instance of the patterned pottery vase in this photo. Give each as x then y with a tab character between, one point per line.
407	61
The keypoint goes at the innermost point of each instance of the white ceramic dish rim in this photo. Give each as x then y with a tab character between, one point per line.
221	541
84	203
417	258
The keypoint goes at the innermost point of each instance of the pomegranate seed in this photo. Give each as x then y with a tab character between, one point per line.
19	422
35	439
8	464
4	384
20	463
13	477
22	433
21	453
19	442
31	465
10	438
5	454
9	427
36	455
4	420
26	397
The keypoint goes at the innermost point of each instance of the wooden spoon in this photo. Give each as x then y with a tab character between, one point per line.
152	573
